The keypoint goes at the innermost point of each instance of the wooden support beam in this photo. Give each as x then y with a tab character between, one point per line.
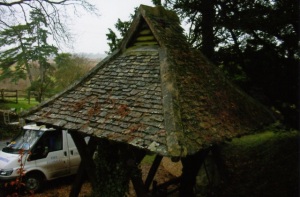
81	173
152	171
191	165
2	94
136	176
138	184
86	156
164	186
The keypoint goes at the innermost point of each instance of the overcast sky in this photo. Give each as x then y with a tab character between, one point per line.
90	31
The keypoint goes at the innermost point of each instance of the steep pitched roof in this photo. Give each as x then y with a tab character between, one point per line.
156	93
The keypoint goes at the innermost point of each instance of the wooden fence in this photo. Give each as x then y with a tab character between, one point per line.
16	95
8	94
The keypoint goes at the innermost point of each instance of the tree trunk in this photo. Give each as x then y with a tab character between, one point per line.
208	20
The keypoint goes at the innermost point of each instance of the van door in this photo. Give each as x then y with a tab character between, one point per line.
51	154
73	154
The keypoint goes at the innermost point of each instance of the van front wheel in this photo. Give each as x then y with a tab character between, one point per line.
33	182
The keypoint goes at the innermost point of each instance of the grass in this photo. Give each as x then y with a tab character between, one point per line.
148	159
21	105
265	164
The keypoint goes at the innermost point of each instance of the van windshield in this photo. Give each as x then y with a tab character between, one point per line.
25	140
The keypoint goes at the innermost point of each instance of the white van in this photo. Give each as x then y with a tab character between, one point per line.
49	154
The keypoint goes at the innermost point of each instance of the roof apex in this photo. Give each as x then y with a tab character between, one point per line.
161	23
158	11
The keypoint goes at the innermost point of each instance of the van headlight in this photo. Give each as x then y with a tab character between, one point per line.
6	172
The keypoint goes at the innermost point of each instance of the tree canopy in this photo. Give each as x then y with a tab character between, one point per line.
32	31
26	46
69	68
255	43
113	39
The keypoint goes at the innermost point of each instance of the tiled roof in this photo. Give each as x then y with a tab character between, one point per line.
155	93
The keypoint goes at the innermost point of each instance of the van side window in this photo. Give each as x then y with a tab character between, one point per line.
54	141
51	141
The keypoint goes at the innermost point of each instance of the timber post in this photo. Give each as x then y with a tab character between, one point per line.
190	167
86	156
16	96
81	173
135	174
152	171
2	94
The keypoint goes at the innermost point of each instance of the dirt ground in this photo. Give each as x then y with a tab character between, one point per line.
61	187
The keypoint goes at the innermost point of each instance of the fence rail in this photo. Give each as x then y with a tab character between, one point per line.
9	94
16	95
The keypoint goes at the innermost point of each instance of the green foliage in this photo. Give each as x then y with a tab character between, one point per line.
42	88
24	44
123	26
69	69
15	37
25	47
113	40
156	2
148	159
63	60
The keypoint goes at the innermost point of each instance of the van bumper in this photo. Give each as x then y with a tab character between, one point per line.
7	178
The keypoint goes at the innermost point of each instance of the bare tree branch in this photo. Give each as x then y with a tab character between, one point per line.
5	3
57	15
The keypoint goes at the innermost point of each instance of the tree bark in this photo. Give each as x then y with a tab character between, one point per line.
208	21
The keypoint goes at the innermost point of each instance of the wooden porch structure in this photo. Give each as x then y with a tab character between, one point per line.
191	165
